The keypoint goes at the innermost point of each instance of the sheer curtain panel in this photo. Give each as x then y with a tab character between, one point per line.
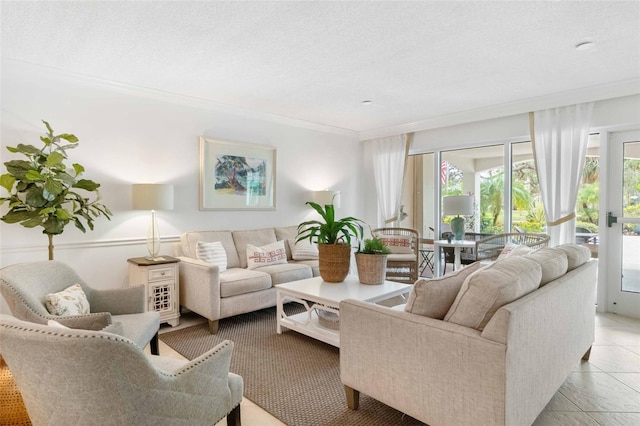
559	137
389	159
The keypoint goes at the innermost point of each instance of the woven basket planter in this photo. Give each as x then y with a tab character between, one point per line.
372	268
12	410
334	261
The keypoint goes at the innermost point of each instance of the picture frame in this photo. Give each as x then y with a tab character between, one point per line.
237	175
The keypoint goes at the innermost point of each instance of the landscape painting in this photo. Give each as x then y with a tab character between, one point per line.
236	176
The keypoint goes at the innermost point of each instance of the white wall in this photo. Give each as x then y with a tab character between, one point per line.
129	136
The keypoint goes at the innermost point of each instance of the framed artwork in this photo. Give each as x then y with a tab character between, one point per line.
237	176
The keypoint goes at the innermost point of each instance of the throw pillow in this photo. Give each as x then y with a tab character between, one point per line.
70	301
483	293
511	249
398	244
552	261
271	254
576	255
433	297
303	250
212	253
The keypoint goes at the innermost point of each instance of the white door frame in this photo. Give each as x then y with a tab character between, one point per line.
610	296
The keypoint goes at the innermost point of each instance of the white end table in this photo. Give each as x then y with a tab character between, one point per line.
457	247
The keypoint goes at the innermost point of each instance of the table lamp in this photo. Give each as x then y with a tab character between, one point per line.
458	205
152	197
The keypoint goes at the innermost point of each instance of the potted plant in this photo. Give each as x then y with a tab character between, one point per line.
372	261
44	192
334	241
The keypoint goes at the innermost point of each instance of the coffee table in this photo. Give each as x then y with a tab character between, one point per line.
316	294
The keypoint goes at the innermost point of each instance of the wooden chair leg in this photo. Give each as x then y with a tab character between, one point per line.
155	350
353	397
233	418
213	326
587	354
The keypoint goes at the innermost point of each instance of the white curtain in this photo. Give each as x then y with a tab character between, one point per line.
560	137
389	158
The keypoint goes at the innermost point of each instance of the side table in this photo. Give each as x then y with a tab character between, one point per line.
160	280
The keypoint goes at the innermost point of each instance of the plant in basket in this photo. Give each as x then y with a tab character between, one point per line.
333	237
372	261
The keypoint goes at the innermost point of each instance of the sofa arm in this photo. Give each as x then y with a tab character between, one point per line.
421	366
200	287
118	301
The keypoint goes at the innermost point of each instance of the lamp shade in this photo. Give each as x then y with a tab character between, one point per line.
149	196
327	197
457	205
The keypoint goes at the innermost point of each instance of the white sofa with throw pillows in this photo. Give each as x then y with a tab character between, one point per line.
485	345
227	273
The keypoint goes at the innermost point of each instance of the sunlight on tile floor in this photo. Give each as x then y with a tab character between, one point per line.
603	391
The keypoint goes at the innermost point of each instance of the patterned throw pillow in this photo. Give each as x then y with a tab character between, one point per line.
303	250
212	253
70	301
398	244
271	254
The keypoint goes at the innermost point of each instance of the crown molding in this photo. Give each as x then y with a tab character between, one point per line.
588	94
176	98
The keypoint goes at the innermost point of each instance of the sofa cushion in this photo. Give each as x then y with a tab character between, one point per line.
433	297
190	240
70	301
257	237
576	255
212	253
398	244
313	264
286	233
302	250
286	272
271	254
484	292
236	281
552	261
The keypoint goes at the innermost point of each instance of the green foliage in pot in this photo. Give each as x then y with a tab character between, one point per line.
374	246
44	192
329	230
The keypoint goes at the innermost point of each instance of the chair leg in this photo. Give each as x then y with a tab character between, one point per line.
587	354
233	418
213	326
353	397
155	350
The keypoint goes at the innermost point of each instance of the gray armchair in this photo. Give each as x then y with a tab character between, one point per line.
120	311
83	377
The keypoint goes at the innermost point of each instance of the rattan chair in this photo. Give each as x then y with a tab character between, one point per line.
489	248
402	263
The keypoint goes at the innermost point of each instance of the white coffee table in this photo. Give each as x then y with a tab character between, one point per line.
314	293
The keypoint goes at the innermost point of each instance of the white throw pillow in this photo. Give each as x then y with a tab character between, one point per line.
271	254
70	301
212	253
511	249
398	244
303	250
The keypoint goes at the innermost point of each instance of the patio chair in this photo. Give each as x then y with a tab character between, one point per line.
402	263
489	248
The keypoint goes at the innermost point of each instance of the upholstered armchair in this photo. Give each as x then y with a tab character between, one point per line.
84	377
402	263
120	311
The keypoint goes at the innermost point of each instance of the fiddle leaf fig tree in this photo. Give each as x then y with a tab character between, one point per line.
44	191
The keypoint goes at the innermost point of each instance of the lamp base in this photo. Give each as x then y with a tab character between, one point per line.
457	227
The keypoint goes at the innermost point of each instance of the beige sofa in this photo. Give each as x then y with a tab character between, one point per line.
237	290
499	368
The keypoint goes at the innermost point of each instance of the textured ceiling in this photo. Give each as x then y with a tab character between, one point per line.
316	61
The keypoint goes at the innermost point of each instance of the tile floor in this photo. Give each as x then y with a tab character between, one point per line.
603	391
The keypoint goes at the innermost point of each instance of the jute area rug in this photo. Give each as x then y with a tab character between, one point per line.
292	376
